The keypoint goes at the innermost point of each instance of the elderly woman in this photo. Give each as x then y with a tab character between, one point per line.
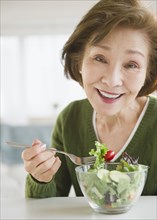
112	54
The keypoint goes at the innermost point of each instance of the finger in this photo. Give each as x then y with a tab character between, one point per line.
31	152
31	165
36	141
56	165
47	175
45	166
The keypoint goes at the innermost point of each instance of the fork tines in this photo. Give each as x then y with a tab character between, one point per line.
88	160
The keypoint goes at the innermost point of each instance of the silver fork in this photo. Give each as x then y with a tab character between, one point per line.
75	159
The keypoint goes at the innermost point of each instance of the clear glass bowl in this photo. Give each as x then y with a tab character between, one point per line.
110	191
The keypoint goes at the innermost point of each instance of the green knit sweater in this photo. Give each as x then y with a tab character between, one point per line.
75	134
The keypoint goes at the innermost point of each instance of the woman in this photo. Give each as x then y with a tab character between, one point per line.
112	55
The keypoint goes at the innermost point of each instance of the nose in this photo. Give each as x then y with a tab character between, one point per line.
112	77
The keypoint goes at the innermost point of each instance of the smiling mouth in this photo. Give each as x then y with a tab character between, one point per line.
110	96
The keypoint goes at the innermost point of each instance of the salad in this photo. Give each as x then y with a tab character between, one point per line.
102	155
112	185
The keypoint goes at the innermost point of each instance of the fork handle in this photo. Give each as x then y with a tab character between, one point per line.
15	144
59	151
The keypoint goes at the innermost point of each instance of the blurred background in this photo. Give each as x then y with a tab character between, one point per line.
33	87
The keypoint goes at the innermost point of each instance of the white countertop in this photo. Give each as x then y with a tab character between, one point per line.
71	208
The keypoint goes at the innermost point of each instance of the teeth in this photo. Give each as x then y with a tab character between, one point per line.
107	95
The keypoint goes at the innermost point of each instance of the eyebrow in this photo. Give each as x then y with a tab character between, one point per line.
130	51
135	52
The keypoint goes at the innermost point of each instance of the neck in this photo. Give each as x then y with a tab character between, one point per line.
128	115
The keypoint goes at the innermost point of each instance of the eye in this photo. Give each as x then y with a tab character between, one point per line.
131	65
100	58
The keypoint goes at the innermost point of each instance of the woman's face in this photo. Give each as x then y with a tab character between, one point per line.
114	70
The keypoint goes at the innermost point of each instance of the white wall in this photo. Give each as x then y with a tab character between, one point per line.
42	16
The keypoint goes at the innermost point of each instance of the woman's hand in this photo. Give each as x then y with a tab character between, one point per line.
40	163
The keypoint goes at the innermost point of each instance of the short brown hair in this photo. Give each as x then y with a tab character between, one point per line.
101	19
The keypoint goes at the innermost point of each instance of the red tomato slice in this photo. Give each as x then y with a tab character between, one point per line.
109	155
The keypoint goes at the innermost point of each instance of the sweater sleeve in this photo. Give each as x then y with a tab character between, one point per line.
35	189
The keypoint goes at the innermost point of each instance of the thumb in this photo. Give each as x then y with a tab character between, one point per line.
36	141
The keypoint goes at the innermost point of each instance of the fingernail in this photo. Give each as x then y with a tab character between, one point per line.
43	146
